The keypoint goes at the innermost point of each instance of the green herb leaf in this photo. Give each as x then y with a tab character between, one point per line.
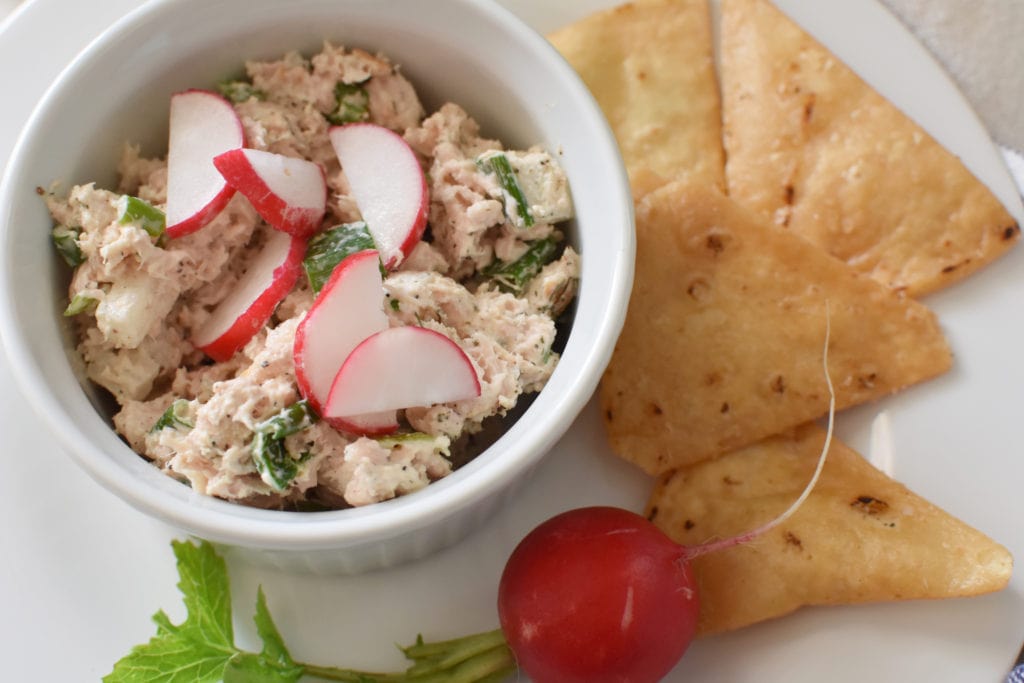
353	104
275	464
197	650
139	212
177	415
292	419
80	303
202	650
273	461
170	659
513	276
65	239
498	163
206	592
274	649
240	91
331	247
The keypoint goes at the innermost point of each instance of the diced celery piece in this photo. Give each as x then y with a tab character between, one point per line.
65	239
135	211
80	303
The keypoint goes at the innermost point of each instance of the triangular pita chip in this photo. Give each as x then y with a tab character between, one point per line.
724	336
650	66
811	146
859	537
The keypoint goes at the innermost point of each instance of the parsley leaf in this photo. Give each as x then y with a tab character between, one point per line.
201	649
197	650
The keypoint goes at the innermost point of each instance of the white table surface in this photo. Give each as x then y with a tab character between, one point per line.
67	612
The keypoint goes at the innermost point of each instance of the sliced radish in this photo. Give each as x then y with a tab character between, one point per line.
401	367
371	424
349	308
245	311
203	124
289	193
387	183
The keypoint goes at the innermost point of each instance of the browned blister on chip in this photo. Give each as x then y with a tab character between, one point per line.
723	341
859	537
813	148
650	66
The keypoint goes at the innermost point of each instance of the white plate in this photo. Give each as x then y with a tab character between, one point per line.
82	572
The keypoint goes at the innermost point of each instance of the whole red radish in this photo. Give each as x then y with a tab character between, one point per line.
601	594
597	594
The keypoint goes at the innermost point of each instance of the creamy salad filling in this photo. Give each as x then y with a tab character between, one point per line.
492	274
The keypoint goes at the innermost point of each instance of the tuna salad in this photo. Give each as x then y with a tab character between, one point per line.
322	292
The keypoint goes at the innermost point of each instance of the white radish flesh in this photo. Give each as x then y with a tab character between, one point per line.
402	367
349	308
388	184
202	125
289	193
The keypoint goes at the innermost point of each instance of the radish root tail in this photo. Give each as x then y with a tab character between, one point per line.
711	546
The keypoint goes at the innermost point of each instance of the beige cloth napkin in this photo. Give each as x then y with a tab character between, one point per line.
981	44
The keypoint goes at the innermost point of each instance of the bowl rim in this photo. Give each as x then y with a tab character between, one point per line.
224	521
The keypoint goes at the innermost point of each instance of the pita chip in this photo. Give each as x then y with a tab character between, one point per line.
859	537
650	66
724	337
814	148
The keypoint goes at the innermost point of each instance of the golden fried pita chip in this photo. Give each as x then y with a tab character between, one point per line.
650	66
859	537
814	148
723	341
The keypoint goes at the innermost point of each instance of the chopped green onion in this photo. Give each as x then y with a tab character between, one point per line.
80	303
498	163
240	91
65	239
331	247
176	416
135	211
353	104
513	276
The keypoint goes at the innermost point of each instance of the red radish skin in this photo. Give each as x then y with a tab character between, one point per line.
202	125
388	184
401	367
245	311
371	424
289	193
348	309
597	594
